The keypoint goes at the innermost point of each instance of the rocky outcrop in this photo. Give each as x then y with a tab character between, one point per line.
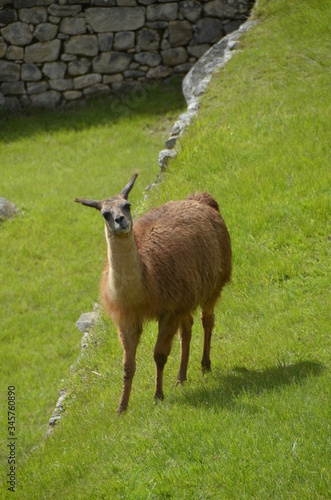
103	46
7	209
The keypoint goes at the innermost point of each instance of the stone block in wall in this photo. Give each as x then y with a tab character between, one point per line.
133	73
12	103
198	50
54	70
159	72
124	40
111	62
36	87
113	78
231	26
45	32
103	20
42	51
72	95
126	88
62	85
148	58
166	12
30	73
14	53
223	9
9	72
207	30
68	57
17	33
148	39
8	16
157	25
35	15
190	10
173	57
97	89
165	45
54	19
180	33
105	41
16	88
84	45
3	49
73	26
64	10
49	99
183	68
81	82
79	67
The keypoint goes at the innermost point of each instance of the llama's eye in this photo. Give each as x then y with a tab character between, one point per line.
106	215
127	206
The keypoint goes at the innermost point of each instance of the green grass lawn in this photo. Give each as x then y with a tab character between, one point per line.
258	426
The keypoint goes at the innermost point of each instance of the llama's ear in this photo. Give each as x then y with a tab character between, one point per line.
90	203
126	190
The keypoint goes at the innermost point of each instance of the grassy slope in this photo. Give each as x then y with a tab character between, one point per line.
52	248
259	425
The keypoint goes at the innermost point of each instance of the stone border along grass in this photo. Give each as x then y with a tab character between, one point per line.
195	85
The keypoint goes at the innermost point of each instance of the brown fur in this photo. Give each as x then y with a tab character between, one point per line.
174	258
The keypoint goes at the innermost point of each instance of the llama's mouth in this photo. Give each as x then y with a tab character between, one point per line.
121	228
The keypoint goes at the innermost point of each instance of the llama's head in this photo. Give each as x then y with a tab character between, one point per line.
115	210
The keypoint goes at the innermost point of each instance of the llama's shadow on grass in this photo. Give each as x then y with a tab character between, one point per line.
224	390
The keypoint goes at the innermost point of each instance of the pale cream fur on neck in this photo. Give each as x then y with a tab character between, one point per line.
125	270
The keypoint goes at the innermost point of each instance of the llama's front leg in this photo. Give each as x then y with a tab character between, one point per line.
168	325
185	334
129	340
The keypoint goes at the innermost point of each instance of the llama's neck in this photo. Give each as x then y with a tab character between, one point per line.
125	280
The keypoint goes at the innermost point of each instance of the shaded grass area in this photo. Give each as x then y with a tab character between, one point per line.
51	253
258	426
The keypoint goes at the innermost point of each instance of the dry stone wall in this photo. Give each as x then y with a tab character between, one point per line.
56	52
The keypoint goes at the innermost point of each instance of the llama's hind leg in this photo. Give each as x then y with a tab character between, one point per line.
208	321
168	325
185	334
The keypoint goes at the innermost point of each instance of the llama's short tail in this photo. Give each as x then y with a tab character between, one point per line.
205	198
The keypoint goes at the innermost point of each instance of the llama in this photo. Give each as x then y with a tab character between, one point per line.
170	261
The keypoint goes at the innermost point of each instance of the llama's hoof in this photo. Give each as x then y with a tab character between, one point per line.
120	410
205	369
158	396
180	381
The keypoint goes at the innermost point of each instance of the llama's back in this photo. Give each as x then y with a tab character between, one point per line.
186	253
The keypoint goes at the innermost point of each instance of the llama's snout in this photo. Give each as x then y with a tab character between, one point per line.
117	223
122	225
